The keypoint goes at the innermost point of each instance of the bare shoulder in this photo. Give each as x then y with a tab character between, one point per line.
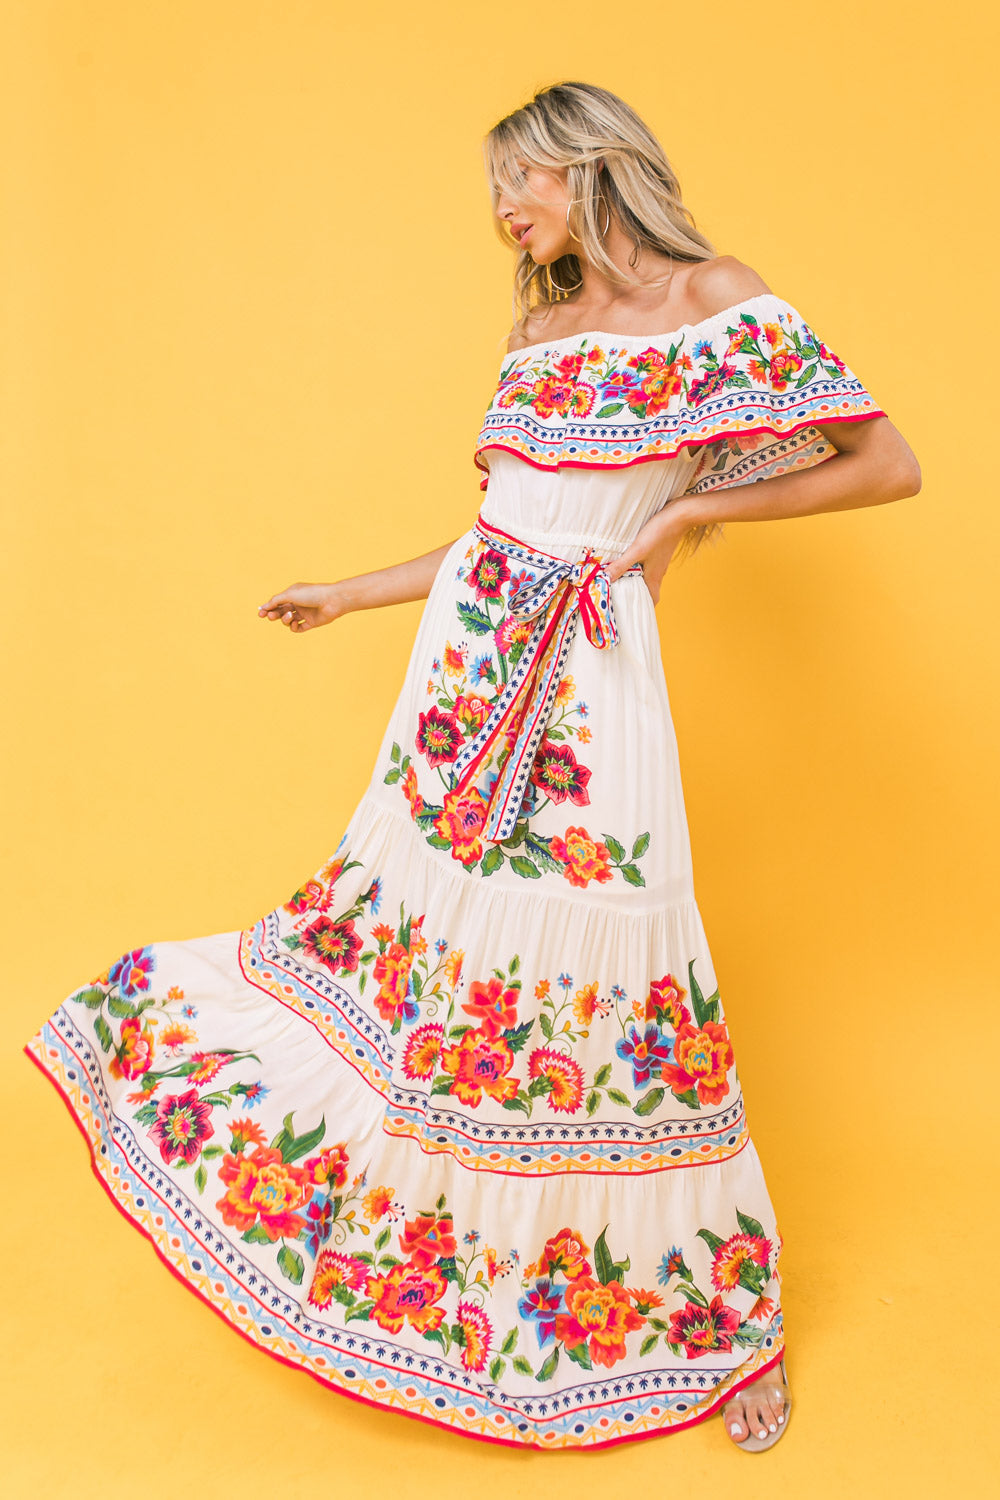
720	283
533	328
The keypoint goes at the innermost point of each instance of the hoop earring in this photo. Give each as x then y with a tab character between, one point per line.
565	290
569	231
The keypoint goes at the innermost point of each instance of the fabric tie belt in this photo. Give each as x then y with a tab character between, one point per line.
559	595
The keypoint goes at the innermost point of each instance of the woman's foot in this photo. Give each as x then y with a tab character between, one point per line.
759	1410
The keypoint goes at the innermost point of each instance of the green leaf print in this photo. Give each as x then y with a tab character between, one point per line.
103	1031
649	1102
750	1226
290	1262
549	1367
522	866
510	1342
474	619
92	998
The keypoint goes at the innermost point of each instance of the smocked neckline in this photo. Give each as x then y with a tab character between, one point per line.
644	338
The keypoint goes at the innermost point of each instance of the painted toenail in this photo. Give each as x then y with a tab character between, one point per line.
781	1417
771	1427
734	1430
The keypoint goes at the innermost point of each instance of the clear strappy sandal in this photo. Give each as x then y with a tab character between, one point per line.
752	1443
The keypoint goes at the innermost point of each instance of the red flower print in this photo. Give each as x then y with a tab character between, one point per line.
329	1167
477	1336
182	1123
308	897
263	1187
598	1316
564	1075
411	793
730	1258
333	1270
558	773
408	1293
494	1007
566	1252
423	1048
552	396
427	1239
461	822
703	1330
583	859
784	367
665	1003
703	1056
489	574
205	1065
711	383
135	1055
439	737
480	1064
335	944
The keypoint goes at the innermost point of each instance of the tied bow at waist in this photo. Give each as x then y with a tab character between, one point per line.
559	595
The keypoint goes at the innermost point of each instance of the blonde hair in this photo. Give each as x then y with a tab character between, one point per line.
573	126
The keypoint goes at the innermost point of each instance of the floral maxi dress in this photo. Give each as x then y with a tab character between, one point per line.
457	1128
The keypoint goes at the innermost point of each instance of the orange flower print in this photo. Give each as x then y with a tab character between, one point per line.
427	1239
408	1293
175	992
773	333
564	1075
461	821
762	1310
411	793
583	859
383	933
566	1252
454	660
263	1188
477	1334
493	1006
703	1056
471	712
644	1301
329	1167
423	1048
583	734
733	1254
566	690
453	966
598	1316
392	970
494	1265
378	1203
586	1004
542	988
308	897
174	1035
660	386
480	1064
244	1133
135	1055
333	1270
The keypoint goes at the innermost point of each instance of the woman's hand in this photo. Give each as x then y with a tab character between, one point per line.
653	547
302	606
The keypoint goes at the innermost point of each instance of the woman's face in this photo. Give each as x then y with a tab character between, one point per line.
543	208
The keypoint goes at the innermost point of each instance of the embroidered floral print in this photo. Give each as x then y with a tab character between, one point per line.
457	1128
596	402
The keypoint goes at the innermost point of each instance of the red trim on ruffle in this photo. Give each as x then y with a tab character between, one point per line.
330	1384
702	442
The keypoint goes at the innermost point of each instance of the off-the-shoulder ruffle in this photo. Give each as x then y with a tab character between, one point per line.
750	385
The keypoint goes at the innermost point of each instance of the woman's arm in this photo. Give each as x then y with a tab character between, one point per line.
302	606
873	465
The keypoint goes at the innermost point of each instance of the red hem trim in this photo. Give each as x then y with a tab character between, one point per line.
642	458
353	1395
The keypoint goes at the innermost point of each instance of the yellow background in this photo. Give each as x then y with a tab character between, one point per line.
252	314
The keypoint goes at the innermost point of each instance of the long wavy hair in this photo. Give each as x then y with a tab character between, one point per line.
573	126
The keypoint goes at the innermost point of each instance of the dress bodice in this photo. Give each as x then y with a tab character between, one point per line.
587	436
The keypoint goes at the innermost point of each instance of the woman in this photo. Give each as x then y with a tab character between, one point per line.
457	1128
